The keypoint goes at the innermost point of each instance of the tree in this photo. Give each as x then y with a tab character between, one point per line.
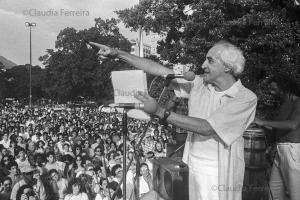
72	68
18	82
267	31
3	82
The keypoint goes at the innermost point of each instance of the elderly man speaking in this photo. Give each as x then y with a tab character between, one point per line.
220	110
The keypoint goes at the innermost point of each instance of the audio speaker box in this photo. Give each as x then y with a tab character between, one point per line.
170	179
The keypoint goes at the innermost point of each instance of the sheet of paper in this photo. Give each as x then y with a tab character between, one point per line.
127	83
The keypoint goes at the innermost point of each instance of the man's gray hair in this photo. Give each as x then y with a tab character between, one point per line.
232	57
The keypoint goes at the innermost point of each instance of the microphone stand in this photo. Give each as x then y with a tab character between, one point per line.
124	124
125	169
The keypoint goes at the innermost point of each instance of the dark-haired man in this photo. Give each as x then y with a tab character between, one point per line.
285	175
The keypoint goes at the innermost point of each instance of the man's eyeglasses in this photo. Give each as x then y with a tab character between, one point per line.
91	169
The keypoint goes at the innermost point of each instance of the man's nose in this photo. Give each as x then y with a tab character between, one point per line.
204	65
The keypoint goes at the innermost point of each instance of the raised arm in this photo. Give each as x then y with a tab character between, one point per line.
147	65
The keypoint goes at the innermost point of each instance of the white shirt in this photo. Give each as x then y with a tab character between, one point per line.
144	188
23	165
229	113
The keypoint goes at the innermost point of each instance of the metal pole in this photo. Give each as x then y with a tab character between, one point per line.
124	152
30	95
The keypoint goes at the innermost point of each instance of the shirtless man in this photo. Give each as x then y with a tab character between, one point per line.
285	175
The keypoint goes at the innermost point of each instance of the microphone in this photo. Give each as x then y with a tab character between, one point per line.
148	106
189	76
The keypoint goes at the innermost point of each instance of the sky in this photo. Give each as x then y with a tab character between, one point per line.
51	16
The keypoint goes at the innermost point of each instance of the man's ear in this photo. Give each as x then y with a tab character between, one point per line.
227	69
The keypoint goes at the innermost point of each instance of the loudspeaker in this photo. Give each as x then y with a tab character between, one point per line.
170	179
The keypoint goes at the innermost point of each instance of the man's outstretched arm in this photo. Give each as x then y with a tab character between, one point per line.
147	65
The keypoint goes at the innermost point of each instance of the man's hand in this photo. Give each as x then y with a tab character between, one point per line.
259	122
105	51
150	104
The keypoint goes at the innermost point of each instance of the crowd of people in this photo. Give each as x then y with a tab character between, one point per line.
60	153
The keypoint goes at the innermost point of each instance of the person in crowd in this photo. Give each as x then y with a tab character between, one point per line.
148	144
58	184
87	148
75	191
77	150
66	150
22	160
220	110
50	146
61	142
5	188
285	174
5	140
159	150
14	172
38	186
36	137
146	180
5	161
78	164
30	147
40	147
88	179
99	158
52	163
12	147
20	142
112	188
26	179
25	192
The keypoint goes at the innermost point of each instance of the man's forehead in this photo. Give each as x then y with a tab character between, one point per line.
215	51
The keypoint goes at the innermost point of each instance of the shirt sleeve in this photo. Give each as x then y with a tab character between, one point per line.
231	120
